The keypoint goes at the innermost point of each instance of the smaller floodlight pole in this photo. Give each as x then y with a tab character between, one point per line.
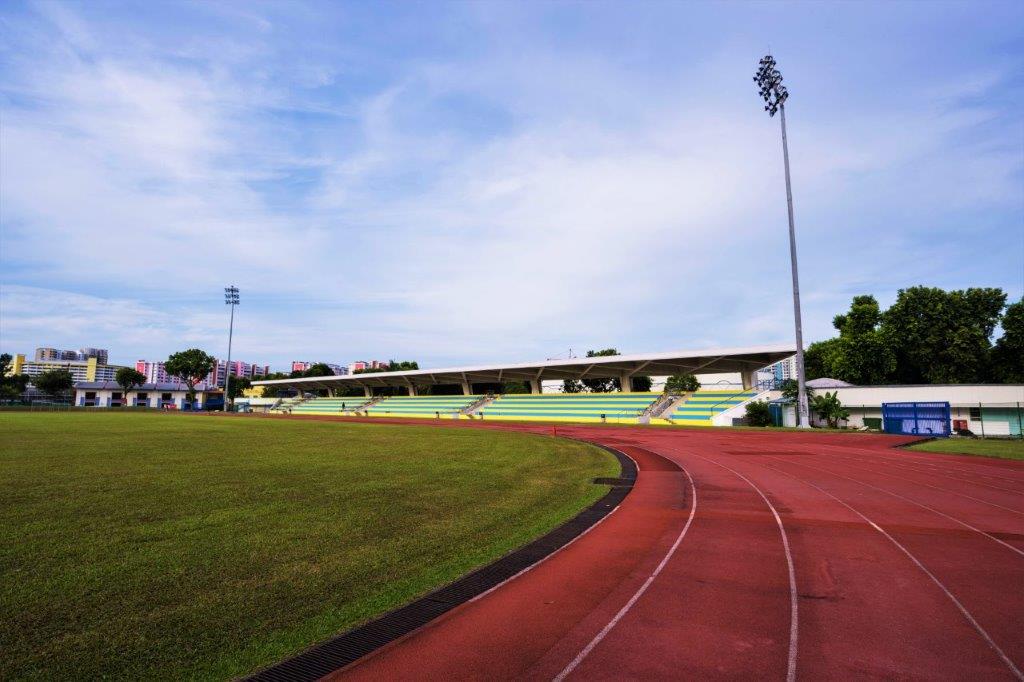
774	93
231	298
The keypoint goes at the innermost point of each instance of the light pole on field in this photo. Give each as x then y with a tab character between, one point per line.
231	298
774	93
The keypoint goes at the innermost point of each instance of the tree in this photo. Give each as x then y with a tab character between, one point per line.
1008	354
829	408
272	391
128	378
819	359
319	369
863	354
238	385
682	383
641	384
601	385
928	336
791	390
191	366
55	382
14	385
572	386
942	337
514	387
758	414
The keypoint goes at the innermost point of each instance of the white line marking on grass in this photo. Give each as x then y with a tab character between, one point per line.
643	588
963	610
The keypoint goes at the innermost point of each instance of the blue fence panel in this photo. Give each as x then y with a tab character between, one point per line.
918	419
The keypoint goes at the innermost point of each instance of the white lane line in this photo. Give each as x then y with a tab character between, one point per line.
963	610
925	469
924	472
905	457
945	490
907	499
793	616
643	588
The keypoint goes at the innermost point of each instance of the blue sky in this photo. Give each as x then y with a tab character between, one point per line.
466	182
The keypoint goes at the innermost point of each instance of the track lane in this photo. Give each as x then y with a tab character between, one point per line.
865	611
722	607
905	542
938	475
994	526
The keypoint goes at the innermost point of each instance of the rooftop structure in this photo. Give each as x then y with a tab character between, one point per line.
746	361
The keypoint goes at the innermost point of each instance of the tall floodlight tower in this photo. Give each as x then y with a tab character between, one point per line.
774	93
231	298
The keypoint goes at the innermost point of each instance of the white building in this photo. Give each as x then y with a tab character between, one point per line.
984	409
173	396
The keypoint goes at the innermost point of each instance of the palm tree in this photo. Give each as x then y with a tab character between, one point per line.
829	408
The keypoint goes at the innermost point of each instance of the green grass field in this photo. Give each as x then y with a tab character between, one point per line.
151	546
987	447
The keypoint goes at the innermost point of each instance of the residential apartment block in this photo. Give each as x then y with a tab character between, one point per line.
90	369
156	373
303	365
82	354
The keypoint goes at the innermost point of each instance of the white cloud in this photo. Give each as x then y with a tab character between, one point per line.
567	198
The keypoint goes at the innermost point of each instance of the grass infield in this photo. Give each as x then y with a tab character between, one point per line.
151	546
987	447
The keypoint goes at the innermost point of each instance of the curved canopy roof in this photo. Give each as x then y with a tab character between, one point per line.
707	361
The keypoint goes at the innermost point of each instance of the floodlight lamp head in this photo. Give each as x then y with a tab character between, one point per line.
769	81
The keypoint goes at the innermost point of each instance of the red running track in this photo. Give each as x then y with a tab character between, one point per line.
758	555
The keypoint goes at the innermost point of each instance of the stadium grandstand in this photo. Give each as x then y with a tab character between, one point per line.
704	407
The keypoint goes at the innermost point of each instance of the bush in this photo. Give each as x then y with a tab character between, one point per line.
758	414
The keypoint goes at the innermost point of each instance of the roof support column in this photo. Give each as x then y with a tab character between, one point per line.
536	386
467	387
749	379
367	391
626	382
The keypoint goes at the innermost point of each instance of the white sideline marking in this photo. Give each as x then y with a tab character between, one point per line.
793	617
980	630
902	497
643	588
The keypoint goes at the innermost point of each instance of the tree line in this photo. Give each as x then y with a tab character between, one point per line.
927	336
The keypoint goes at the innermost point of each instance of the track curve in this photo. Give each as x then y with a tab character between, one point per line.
757	555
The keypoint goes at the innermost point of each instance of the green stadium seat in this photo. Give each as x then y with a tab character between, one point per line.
329	405
615	408
701	407
424	406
